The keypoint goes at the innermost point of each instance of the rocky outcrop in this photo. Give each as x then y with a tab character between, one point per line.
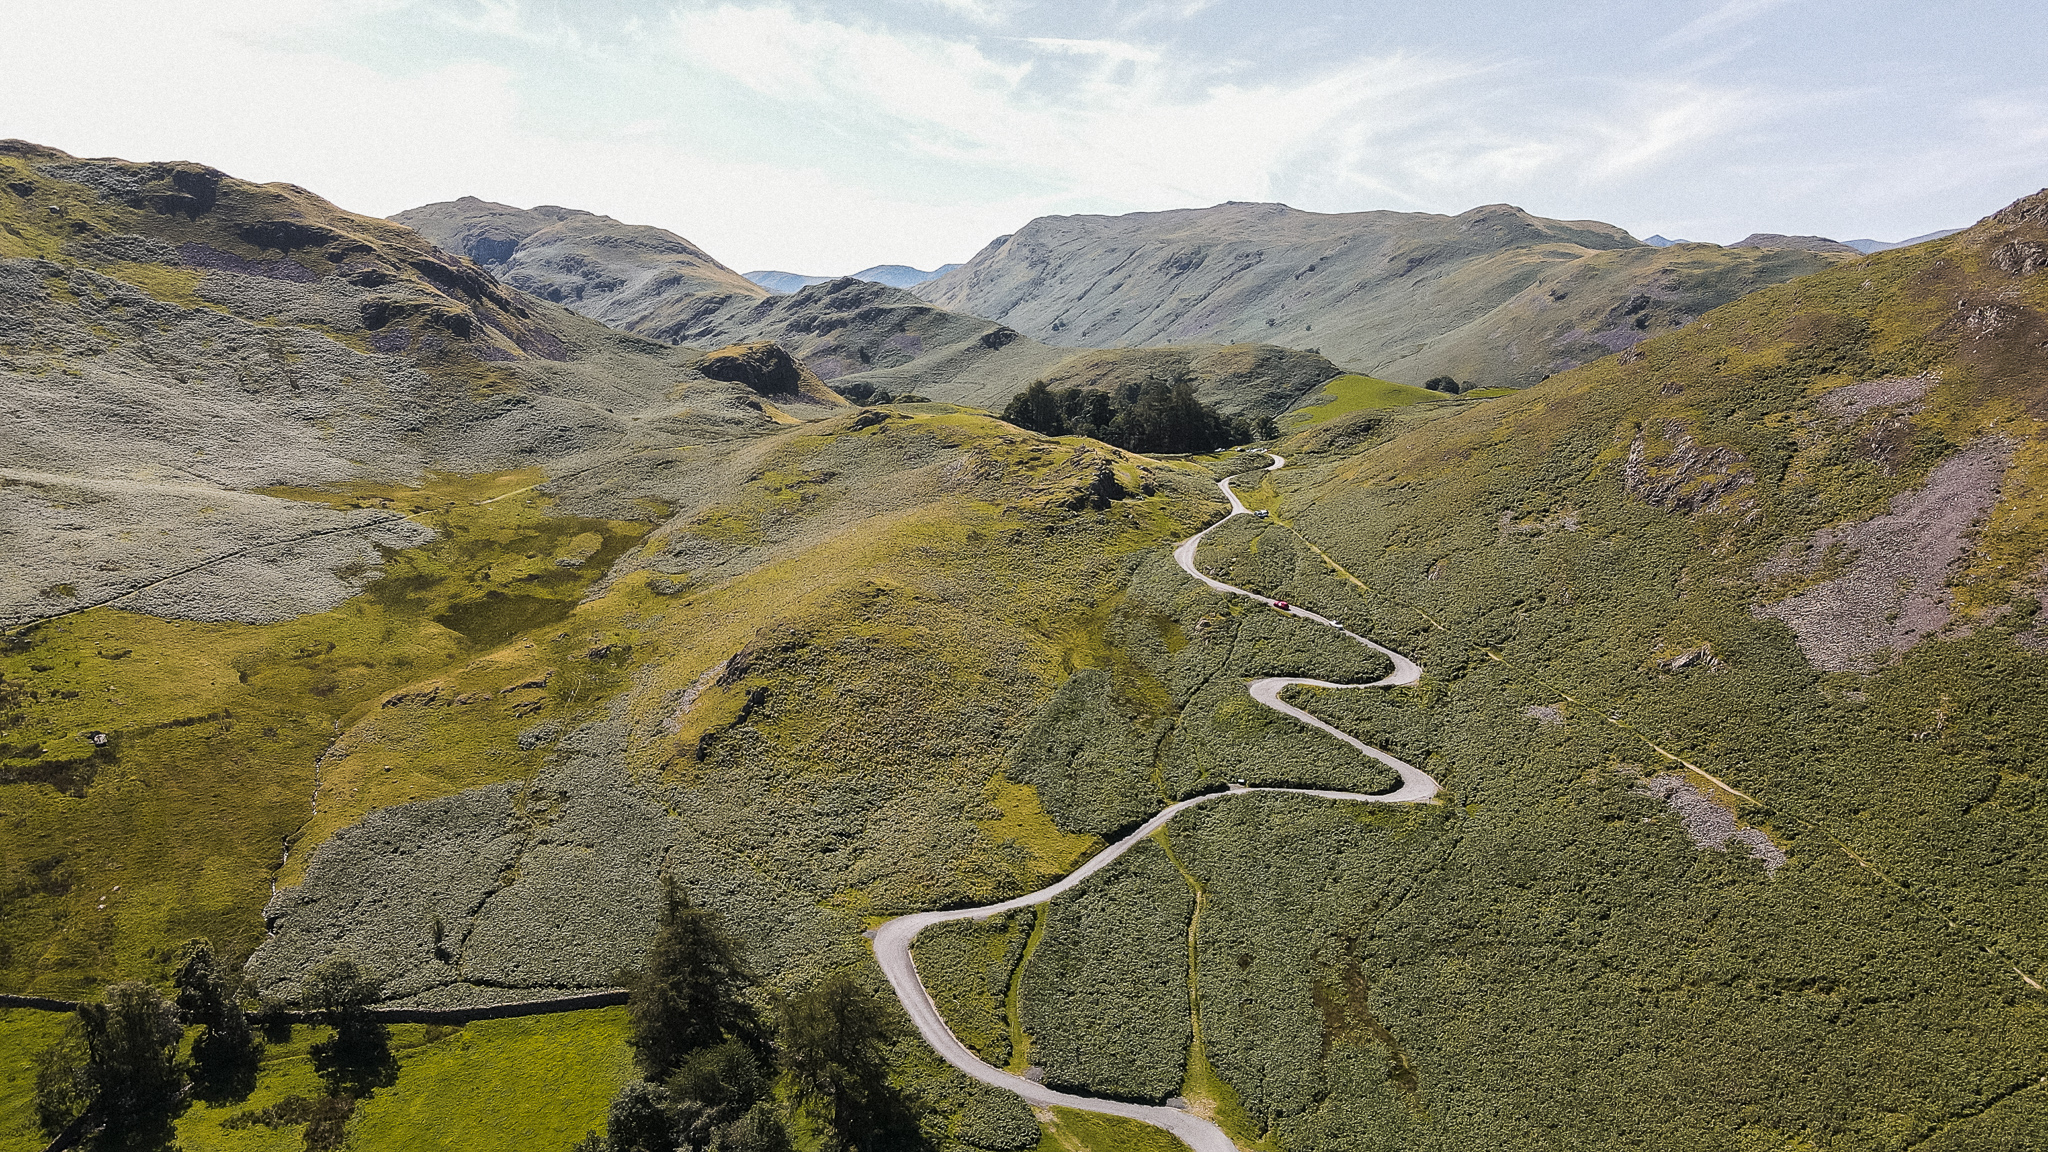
762	366
1711	827
1893	592
769	371
1668	468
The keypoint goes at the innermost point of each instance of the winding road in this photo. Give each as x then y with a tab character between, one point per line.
893	939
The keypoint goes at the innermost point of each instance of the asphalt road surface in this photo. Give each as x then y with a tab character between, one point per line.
893	939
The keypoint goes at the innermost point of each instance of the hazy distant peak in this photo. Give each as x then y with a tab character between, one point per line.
894	275
1796	243
783	283
1868	246
901	275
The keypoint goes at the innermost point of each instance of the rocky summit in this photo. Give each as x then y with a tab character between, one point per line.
1233	679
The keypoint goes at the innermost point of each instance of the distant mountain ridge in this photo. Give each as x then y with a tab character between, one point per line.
1494	295
894	275
596	265
857	333
1868	246
783	283
1796	243
854	333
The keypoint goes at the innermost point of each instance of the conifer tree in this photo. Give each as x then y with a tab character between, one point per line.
688	995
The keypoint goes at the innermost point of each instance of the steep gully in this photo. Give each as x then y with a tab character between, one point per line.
892	941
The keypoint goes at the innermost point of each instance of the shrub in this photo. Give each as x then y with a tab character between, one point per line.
1156	416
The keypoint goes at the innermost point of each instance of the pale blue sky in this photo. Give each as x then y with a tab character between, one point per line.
822	138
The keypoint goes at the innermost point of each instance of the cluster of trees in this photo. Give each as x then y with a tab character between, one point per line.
115	1079
730	1067
867	395
1445	384
1156	416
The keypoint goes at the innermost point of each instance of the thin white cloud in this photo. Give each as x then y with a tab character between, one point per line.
1104	49
979	11
825	138
1730	15
1166	10
1127	126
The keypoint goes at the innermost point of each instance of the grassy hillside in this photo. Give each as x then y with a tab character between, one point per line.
1355	393
1696	832
176	344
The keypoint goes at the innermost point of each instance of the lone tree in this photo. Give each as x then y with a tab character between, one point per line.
832	1048
113	1082
357	1059
226	1052
688	995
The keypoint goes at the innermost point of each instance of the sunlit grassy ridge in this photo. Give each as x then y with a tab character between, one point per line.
1356	393
58	203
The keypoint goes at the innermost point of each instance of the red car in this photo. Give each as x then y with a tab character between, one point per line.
1280	604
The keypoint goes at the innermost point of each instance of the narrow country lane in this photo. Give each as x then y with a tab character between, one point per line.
892	941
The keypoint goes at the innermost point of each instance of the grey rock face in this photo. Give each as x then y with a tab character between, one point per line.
504	889
185	551
1709	826
1894	592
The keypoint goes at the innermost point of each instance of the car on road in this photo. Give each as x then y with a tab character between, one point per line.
1281	605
